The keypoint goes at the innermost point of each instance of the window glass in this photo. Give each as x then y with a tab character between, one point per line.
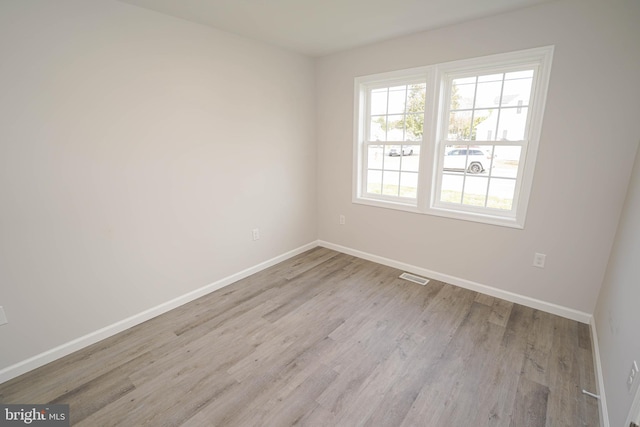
395	115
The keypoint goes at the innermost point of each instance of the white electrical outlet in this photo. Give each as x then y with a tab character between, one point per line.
3	317
256	233
342	220
632	375
538	260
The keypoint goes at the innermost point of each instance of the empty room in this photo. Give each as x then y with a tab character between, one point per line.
337	213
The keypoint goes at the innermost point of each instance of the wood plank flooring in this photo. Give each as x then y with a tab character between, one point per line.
327	339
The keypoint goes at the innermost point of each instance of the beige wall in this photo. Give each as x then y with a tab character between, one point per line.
137	152
584	160
617	312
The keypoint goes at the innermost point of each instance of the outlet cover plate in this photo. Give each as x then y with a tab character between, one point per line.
538	260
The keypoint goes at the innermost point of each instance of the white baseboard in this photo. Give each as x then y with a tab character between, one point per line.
79	343
548	307
604	414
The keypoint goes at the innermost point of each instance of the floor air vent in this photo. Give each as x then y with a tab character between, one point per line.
413	278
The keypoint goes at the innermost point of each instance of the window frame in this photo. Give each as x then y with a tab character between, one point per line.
430	171
368	83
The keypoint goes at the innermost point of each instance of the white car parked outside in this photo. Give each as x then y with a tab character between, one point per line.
472	159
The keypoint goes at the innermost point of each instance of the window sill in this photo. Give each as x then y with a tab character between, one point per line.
398	206
443	213
476	217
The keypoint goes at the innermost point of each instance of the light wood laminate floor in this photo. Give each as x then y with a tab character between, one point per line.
327	339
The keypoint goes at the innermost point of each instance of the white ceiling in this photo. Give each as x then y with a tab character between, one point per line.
319	27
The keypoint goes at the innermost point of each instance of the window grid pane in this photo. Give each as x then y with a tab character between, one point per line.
390	183
396	113
480	175
490	107
395	116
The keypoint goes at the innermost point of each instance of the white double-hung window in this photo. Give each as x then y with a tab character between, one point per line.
392	138
456	139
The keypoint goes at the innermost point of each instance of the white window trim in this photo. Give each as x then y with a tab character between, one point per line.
429	169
